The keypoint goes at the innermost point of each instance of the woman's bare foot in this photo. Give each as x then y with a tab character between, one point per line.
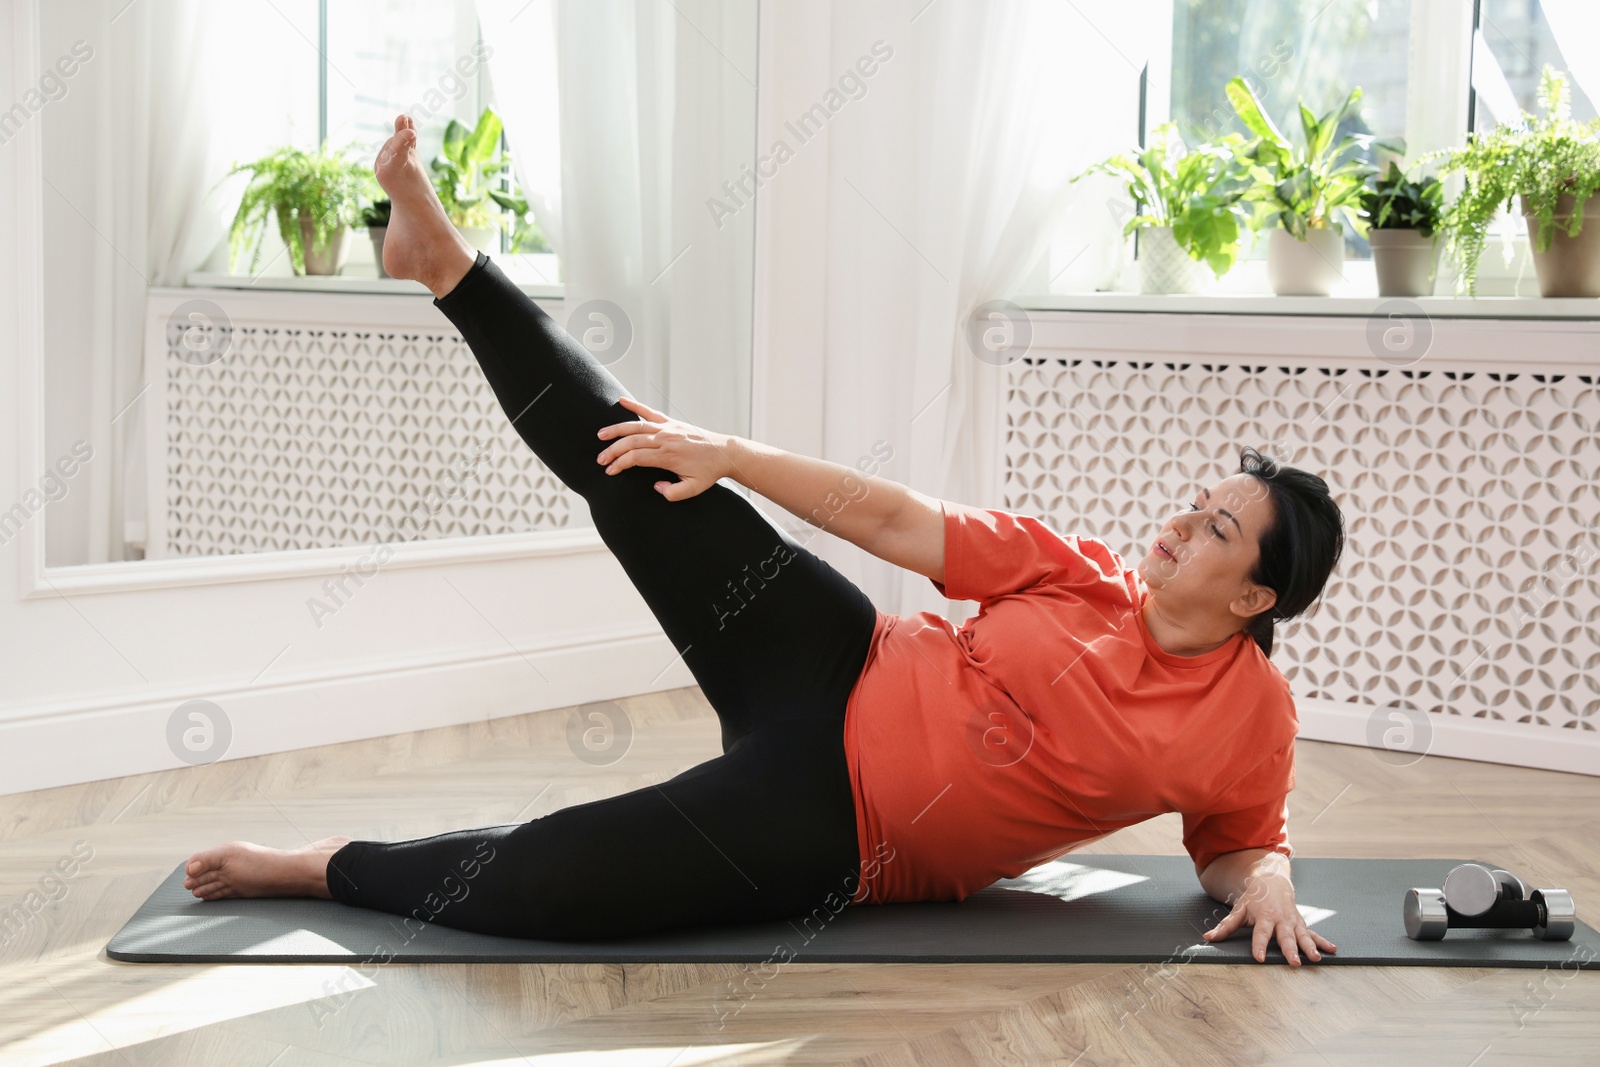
420	242
240	869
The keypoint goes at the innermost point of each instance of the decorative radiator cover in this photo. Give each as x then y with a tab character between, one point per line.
321	435
1471	499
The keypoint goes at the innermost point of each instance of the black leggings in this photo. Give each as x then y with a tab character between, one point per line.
774	636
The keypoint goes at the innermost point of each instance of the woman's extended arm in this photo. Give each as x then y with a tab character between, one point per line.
890	520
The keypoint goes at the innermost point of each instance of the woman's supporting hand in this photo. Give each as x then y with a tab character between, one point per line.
1267	904
698	457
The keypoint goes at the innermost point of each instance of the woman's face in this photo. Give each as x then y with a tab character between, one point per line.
1200	561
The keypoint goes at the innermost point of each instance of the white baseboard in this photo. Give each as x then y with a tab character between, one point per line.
1477	739
90	740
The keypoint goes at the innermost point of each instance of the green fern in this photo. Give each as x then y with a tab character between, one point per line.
288	185
1542	158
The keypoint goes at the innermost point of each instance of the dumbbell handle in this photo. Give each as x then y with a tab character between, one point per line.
1503	915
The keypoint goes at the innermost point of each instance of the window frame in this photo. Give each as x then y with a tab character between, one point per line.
1439	110
360	283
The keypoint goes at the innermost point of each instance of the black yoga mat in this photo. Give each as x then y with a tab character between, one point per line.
1085	908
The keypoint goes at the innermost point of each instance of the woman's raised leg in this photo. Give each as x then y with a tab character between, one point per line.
760	620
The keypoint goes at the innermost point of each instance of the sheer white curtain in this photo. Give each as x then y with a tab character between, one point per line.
128	159
1576	25
176	130
946	183
523	70
654	109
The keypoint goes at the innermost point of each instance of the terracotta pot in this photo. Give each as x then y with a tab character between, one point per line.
377	234
1165	266
1571	266
329	259
1405	261
1305	268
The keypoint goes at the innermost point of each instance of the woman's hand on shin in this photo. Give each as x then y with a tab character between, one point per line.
698	457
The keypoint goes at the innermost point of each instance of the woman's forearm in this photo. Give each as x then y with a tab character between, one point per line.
1225	878
887	519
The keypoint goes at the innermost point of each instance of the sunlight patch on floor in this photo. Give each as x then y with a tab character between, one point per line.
108	1013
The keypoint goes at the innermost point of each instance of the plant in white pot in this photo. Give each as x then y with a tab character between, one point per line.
315	197
1187	206
1305	189
1402	220
1550	163
468	173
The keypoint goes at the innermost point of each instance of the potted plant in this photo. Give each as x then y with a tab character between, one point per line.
1402	218
1553	164
315	197
1188	207
1305	189
375	217
467	174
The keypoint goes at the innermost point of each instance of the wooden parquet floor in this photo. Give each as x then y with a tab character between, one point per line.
63	1001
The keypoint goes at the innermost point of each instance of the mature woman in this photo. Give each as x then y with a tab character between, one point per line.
866	757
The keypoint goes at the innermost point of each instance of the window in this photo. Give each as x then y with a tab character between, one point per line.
1311	50
1513	42
340	70
1430	71
384	56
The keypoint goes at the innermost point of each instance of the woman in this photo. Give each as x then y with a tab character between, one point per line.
866	757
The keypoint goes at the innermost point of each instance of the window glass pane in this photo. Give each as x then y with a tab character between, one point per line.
1516	41
389	56
273	49
1315	50
421	57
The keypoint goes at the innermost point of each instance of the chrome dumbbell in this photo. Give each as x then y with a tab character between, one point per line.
1476	897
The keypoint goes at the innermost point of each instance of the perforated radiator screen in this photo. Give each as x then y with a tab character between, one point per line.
313	438
1471	500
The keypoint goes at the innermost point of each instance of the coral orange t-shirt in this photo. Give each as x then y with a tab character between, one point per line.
1050	719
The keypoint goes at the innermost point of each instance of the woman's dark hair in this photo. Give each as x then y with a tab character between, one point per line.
1300	547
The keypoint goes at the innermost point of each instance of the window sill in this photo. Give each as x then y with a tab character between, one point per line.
338	283
1435	307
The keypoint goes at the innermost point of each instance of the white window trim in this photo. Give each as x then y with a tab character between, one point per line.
1528	308
339	284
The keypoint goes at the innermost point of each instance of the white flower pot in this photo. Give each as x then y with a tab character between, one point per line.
485	239
1305	268
1165	266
